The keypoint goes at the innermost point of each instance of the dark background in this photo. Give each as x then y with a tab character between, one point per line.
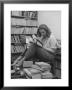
2	39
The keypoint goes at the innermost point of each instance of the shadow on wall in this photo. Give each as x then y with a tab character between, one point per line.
53	20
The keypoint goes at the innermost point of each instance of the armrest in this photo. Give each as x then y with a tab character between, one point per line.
58	55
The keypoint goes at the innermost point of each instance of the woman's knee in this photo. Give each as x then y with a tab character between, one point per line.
44	54
30	51
42	51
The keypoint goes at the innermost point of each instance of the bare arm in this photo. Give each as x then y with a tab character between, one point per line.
51	50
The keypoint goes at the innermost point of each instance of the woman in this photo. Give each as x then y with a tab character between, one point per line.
42	47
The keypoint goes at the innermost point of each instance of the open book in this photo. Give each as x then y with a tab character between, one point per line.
36	41
39	43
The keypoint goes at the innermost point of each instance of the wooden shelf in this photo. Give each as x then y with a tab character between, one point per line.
21	34
17	53
18	44
21	26
27	18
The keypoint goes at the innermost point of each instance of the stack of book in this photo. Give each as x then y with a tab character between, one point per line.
17	49
23	22
18	39
16	13
30	14
15	30
39	70
18	21
28	30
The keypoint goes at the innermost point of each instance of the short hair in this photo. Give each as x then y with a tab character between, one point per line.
43	26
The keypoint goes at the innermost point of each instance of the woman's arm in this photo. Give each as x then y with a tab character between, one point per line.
51	44
52	50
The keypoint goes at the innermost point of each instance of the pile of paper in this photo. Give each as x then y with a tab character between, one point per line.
44	66
32	73
46	75
27	63
40	70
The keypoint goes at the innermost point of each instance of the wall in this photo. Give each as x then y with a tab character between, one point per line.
52	19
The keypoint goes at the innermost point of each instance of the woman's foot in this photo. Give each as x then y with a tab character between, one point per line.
20	62
15	62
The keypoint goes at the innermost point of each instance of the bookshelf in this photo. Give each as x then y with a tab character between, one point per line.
23	25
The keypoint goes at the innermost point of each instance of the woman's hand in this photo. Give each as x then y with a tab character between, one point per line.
15	62
34	38
50	50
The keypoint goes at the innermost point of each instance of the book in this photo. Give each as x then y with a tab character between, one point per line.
37	41
18	21
15	30
16	13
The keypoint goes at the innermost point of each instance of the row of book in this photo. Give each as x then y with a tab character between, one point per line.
24	30
24	22
28	14
16	13
18	39
17	49
15	30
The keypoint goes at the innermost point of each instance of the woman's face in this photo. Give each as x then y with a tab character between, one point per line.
43	32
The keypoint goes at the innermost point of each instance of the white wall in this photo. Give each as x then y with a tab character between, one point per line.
52	19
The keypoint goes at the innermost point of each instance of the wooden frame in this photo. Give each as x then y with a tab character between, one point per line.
2	2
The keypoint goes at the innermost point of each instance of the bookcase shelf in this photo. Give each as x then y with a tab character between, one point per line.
23	25
24	17
21	34
17	44
24	14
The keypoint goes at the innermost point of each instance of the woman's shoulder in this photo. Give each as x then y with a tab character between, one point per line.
52	36
52	39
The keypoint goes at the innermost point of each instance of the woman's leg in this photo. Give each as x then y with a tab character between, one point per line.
46	56
30	52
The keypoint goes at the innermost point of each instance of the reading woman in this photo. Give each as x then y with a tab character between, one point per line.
42	47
